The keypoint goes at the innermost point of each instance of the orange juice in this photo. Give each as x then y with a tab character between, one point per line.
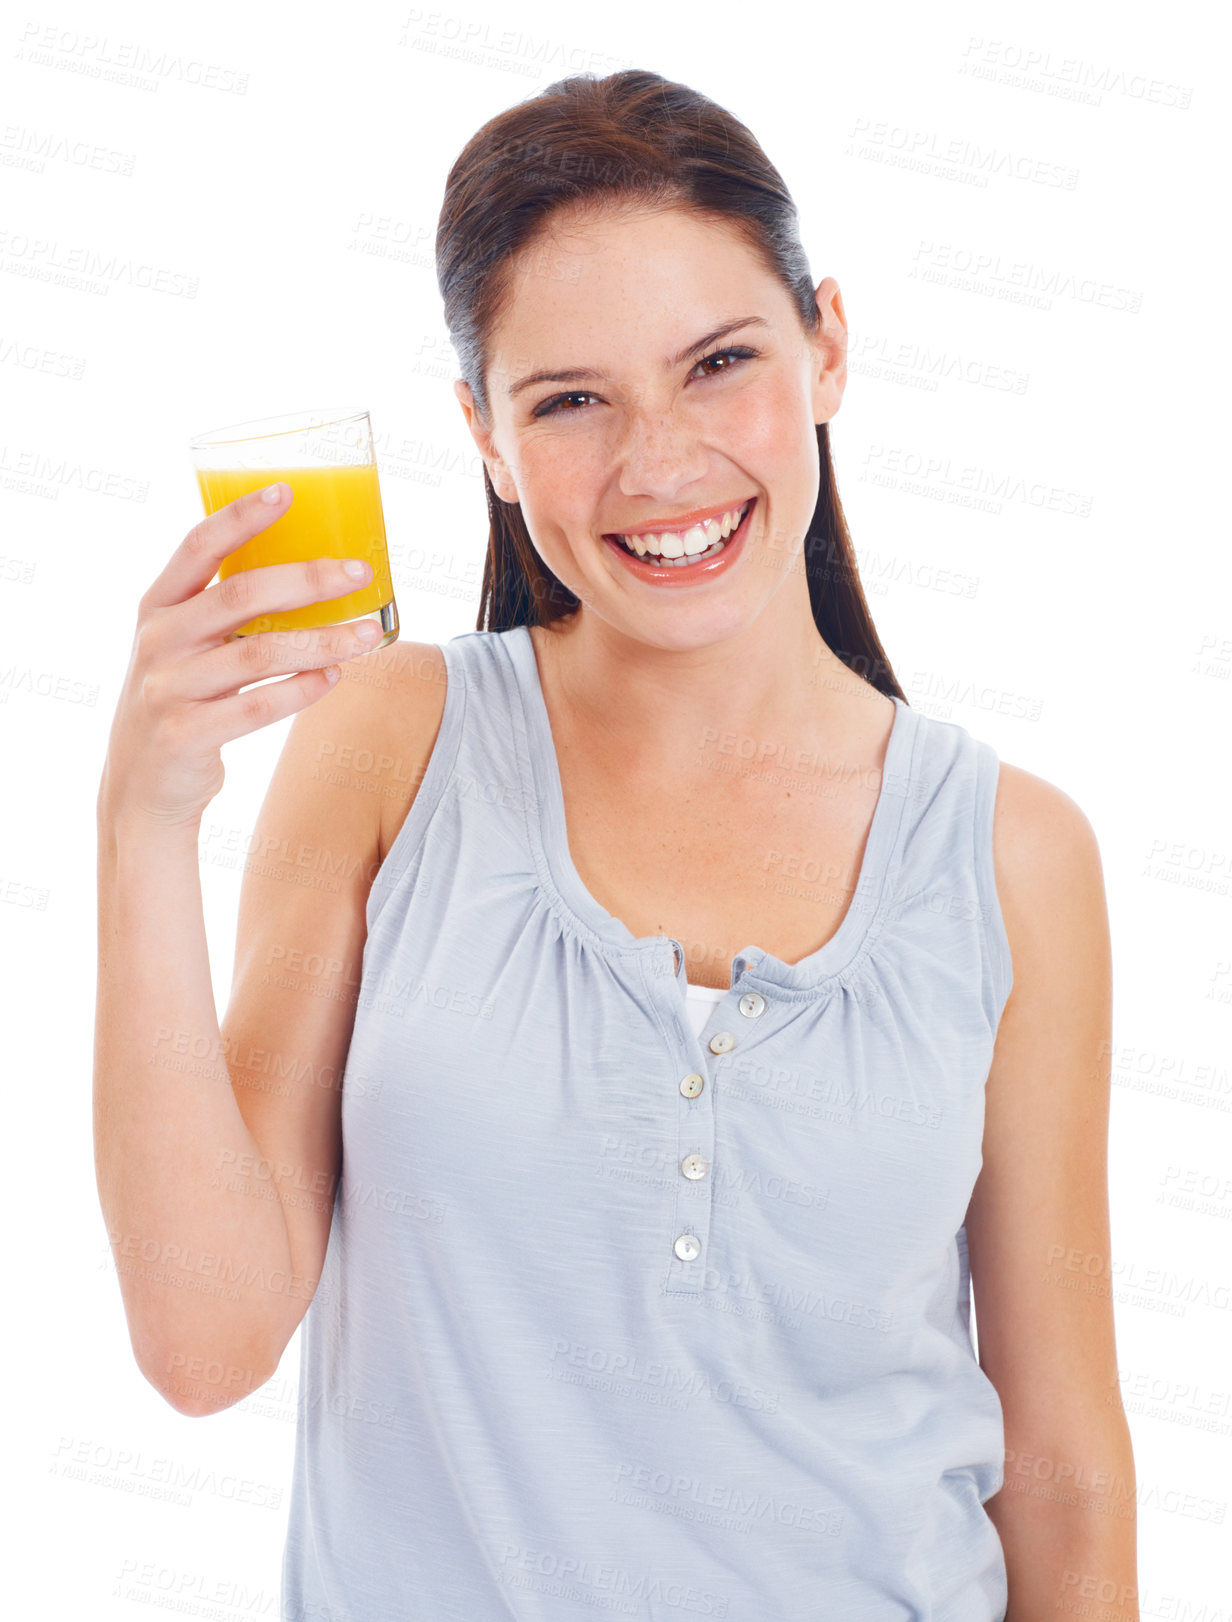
335	512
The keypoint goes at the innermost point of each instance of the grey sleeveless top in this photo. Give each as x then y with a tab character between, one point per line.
619	1316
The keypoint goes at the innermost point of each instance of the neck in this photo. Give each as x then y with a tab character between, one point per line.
772	684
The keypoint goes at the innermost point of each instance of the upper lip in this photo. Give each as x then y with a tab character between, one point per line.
674	526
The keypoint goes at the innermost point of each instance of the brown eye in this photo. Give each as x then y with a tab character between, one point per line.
738	353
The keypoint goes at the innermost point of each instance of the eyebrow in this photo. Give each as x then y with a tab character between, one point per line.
586	374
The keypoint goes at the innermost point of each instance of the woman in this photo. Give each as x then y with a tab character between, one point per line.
686	1096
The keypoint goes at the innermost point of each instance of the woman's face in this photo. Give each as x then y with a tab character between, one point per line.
665	426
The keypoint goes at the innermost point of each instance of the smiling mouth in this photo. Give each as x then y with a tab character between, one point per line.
706	540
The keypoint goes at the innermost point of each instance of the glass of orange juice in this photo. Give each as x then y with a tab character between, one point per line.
335	512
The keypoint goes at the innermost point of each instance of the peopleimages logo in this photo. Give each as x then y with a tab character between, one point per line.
627	1371
85	268
1070	78
952	157
581	1577
126	62
646	1484
1016	281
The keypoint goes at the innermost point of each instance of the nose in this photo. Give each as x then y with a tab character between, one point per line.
659	454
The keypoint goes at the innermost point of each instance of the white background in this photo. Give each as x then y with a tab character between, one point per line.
255	217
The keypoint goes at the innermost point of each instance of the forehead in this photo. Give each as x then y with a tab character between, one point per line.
600	275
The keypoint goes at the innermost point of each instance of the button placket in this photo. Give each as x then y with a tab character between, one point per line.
690	1239
687	1244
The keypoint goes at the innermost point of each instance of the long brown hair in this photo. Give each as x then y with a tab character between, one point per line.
632	137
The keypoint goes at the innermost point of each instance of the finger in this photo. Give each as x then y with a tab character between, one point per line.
218	672
271	588
194	563
235	717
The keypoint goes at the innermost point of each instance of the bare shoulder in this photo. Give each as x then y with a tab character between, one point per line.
1047	863
1034	816
401	694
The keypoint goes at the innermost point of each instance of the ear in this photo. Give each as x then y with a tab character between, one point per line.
498	472
829	351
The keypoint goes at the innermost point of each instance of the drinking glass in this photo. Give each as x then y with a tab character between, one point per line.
328	460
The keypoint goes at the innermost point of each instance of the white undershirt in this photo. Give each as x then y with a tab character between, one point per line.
700	1002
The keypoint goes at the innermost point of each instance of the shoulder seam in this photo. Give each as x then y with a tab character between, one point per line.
993	937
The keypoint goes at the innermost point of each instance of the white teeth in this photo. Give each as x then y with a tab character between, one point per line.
689	543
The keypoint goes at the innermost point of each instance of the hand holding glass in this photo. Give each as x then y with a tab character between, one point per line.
335	512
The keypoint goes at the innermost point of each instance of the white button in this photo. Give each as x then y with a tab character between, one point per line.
724	1042
694	1166
692	1085
687	1247
751	1005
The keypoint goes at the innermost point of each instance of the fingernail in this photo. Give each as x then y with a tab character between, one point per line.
357	569
272	493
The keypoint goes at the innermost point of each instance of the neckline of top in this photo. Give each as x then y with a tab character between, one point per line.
837	956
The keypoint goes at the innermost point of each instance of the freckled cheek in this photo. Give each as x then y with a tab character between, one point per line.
559	464
562	482
767	438
769	409
558	485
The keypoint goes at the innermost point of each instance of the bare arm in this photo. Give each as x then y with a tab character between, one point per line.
1066	1514
323	831
214	1273
207	1280
165	1119
219	1148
